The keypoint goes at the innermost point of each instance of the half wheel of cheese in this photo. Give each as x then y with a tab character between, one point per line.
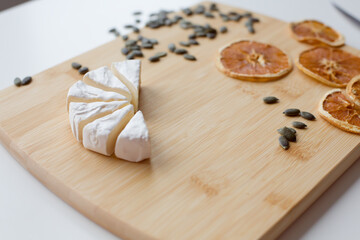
253	61
101	112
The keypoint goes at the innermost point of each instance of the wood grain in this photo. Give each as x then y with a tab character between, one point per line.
216	170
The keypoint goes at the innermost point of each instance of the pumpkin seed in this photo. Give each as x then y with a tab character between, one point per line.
200	34
137	53
187	11
129	26
185	26
154	58
211	35
147	45
83	70
135	47
153	24
247	14
76	65
299	125
193	42
210	29
125	51
125	37
199	29
213	7
209	15
153	41
224	17
180	51
284	143
307	116
291	129
17	82
232	13
160	54
200	9
177	18
282	130
290	136
223	29
26	80
130	56
145	40
292	112
138	21
171	47
168	22
270	99
250	26
192	36
189	57
130	42
287	133
254	20
185	44
236	17
136	30
114	31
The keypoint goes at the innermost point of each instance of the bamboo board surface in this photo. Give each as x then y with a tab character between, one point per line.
216	172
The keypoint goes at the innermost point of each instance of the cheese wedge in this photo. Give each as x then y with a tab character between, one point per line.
128	72
81	92
103	78
81	114
100	135
133	143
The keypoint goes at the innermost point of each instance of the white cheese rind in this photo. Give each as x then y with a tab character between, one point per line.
133	143
128	72
81	113
103	78
82	92
100	135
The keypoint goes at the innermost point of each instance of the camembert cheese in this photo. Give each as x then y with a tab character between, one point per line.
81	113
100	135
81	92
104	79
128	72
133	143
101	112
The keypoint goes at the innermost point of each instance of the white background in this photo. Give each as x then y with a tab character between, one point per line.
40	34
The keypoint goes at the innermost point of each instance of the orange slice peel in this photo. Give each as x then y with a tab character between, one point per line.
353	90
338	110
331	66
253	61
315	32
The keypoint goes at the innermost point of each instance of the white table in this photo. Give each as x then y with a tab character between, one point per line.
39	34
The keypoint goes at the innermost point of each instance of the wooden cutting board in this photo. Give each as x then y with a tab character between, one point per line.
216	172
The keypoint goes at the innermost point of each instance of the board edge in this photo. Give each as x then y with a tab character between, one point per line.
71	197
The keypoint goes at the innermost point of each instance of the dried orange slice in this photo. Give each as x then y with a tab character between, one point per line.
253	61
353	90
315	32
338	110
333	67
